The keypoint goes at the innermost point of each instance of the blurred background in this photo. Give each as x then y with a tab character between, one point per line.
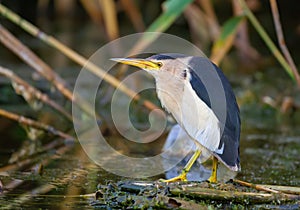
268	96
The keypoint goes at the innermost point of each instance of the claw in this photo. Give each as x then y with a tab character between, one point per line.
180	178
186	169
213	177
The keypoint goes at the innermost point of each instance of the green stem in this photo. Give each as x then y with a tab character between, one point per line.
263	34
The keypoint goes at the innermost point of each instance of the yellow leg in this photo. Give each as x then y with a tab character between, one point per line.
186	169
213	177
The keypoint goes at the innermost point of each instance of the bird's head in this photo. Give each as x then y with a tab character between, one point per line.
157	64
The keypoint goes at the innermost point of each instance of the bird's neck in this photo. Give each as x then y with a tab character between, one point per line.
169	91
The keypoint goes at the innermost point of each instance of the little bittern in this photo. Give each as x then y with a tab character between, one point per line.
182	92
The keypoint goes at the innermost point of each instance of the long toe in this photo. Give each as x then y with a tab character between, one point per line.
180	178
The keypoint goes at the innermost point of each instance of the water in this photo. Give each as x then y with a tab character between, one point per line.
269	155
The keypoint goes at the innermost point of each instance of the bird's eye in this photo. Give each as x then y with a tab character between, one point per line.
159	64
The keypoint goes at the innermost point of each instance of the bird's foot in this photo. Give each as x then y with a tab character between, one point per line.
212	179
179	178
186	169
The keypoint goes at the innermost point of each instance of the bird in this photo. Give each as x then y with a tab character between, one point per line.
187	87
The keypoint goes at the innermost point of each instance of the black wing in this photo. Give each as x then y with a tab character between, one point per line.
231	133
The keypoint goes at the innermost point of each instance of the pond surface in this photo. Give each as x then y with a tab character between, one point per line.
269	155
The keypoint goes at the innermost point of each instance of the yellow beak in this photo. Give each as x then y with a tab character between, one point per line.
140	63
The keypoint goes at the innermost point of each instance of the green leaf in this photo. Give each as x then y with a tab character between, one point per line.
229	28
172	9
225	40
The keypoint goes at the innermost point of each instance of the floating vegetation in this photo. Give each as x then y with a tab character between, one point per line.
193	195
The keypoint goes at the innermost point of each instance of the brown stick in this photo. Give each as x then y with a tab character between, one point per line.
281	40
29	92
270	188
19	165
284	189
35	124
200	193
79	173
254	186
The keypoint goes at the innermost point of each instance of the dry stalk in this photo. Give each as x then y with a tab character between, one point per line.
50	40
30	93
35	124
41	67
281	40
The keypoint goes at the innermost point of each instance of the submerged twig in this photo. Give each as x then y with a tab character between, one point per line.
20	164
35	124
30	93
77	172
281	40
31	161
40	190
73	191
